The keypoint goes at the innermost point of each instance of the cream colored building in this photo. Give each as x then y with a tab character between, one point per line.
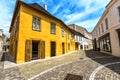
1	39
106	34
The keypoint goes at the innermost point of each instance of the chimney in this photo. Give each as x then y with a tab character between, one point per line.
45	6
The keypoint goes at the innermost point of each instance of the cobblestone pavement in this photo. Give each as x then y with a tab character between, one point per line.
78	66
110	72
85	68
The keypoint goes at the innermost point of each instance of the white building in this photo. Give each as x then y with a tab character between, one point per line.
83	38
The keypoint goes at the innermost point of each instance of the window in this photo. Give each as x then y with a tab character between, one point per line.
119	12
80	38
105	44
16	25
76	38
36	23
53	28
118	31
96	33
106	22
68	35
68	46
99	30
62	32
102	27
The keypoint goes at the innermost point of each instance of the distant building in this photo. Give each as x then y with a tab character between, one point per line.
1	39
106	34
83	38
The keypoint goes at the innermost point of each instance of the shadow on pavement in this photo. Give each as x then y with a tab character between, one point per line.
7	57
93	54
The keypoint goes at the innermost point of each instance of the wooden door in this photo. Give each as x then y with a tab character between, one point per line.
53	49
28	50
63	48
41	49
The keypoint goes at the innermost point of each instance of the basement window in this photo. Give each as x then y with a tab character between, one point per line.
36	24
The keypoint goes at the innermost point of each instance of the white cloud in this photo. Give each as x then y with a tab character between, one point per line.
91	6
6	15
88	24
7	6
56	9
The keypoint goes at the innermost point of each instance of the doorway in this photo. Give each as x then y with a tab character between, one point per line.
63	48
53	49
35	49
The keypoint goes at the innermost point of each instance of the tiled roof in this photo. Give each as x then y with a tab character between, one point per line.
38	8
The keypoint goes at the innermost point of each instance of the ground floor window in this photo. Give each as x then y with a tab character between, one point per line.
81	46
118	32
105	44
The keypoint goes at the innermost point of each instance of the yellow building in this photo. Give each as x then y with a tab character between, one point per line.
36	34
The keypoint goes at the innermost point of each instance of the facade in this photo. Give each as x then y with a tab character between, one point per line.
83	38
36	34
1	39
106	34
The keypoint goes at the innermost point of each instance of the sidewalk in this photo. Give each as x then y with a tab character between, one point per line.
9	70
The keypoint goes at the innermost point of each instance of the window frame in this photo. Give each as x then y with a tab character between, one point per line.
68	35
106	23
68	46
62	31
119	12
36	23
52	27
102	28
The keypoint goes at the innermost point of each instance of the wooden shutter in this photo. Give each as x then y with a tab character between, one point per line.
28	50
42	50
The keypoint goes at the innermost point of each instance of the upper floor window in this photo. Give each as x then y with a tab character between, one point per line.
36	23
16	25
96	33
119	12
68	35
62	32
53	28
102	27
99	30
80	38
106	22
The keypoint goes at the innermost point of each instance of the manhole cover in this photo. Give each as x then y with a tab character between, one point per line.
73	77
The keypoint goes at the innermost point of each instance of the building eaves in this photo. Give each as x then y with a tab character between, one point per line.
38	8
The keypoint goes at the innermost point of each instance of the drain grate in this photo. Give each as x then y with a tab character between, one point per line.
73	77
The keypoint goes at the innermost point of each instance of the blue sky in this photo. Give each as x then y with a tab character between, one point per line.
85	13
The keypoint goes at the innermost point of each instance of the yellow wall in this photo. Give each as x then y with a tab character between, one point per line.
26	33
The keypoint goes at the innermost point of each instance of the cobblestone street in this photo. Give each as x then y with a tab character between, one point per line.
85	68
95	66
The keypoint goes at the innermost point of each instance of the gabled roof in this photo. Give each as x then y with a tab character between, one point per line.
36	7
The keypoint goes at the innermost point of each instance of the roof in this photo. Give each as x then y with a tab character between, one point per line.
37	7
77	33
